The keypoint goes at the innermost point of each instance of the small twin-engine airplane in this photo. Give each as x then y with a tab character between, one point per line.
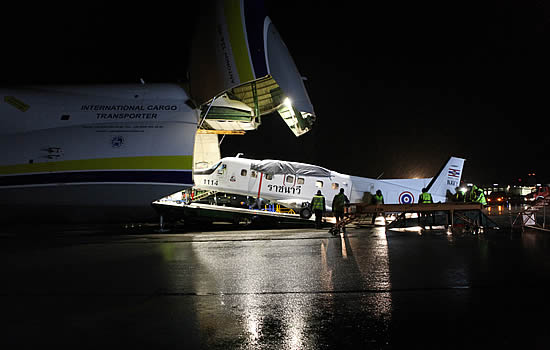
294	184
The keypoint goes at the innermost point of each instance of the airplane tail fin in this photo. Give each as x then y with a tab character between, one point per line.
446	180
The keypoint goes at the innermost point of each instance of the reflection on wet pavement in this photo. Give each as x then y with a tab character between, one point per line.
278	290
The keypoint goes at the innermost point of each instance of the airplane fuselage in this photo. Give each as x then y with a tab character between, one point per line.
295	190
93	152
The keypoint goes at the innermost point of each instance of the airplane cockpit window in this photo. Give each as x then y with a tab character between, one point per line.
319	183
243	172
253	174
221	171
289	178
300	181
208	171
268	176
334	186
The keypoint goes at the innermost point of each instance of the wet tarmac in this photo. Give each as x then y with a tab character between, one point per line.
275	289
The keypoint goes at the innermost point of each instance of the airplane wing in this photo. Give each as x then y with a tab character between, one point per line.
238	53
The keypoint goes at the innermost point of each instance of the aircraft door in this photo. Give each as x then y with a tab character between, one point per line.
254	181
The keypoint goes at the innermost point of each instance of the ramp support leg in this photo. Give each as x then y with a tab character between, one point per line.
161	225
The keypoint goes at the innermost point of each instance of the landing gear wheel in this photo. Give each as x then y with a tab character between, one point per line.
305	213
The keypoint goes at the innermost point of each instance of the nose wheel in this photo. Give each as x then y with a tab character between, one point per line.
305	213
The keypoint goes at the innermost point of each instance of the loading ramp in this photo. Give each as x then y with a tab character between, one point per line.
174	211
459	217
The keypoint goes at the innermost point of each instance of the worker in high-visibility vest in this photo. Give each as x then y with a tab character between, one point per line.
318	207
480	197
378	199
472	196
425	197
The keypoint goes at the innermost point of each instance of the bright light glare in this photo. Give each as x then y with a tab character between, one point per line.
287	102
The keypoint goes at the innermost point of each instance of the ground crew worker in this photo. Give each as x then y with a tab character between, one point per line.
480	197
473	193
339	203
477	196
318	207
378	199
425	197
459	195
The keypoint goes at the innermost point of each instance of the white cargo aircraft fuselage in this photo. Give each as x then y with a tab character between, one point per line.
294	184
92	152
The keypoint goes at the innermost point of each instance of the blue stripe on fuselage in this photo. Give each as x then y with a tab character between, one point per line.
176	177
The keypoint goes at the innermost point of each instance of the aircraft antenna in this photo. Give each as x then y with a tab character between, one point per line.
379	176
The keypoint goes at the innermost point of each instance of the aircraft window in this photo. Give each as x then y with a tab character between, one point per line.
319	183
243	172
290	178
199	171
253	173
300	181
268	177
221	171
334	186
215	165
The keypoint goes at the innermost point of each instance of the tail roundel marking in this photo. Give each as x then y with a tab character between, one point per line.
406	198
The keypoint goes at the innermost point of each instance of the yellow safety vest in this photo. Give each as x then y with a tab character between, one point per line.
425	197
317	202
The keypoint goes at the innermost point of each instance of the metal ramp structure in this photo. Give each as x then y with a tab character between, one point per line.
203	195
460	218
173	211
528	216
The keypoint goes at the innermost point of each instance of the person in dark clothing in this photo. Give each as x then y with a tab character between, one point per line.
318	206
339	203
458	197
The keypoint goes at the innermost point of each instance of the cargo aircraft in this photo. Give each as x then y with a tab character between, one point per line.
104	153
294	184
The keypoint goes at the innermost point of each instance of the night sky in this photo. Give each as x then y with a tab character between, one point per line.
397	88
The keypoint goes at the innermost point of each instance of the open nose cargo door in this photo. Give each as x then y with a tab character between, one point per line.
240	69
